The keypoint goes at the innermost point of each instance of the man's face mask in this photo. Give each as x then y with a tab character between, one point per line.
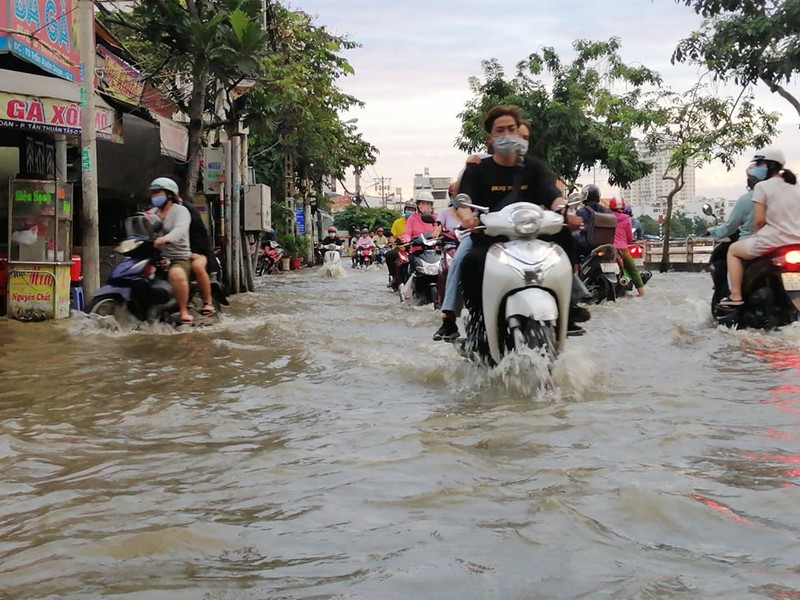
507	145
158	200
408	213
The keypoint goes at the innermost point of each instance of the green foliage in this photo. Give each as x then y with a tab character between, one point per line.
746	41
578	114
649	225
699	127
371	218
294	245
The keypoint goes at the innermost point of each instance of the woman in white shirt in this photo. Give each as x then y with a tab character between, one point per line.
776	200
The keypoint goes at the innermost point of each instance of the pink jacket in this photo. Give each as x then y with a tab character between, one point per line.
623	234
415	226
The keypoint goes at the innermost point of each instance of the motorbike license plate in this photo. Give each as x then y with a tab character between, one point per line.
639	262
791	281
609	267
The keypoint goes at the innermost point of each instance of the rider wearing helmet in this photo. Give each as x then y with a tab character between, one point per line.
741	217
591	204
174	244
777	221
416	224
332	238
399	225
623	236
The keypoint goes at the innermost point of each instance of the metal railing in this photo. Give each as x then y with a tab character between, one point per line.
691	251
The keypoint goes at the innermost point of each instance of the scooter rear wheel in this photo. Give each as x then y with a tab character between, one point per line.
111	305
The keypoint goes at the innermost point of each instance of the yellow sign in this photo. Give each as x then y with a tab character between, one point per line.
37	293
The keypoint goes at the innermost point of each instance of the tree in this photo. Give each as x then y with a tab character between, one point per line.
580	119
649	225
295	110
747	41
195	49
698	127
371	218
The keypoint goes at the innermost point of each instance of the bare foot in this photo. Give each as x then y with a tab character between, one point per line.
640	291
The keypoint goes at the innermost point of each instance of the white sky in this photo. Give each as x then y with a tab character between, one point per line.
416	57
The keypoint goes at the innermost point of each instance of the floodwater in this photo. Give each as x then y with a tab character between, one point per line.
317	444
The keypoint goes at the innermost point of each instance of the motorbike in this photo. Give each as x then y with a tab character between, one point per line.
363	257
332	262
770	287
424	271
138	284
527	284
600	272
269	259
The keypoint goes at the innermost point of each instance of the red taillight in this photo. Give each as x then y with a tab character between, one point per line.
636	251
792	257
148	270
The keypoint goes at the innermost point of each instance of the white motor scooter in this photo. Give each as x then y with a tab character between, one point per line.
527	282
332	261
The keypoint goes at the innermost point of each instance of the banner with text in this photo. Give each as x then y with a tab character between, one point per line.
51	115
44	33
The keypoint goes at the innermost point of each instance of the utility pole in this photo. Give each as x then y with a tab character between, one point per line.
383	183
89	205
359	199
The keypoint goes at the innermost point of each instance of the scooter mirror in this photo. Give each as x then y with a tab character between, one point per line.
464	201
428	219
707	210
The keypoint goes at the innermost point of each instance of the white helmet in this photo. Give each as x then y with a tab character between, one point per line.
164	183
772	154
424	196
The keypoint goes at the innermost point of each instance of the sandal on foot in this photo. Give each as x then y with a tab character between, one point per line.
728	302
208	310
186	319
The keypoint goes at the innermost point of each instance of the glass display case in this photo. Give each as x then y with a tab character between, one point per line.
40	248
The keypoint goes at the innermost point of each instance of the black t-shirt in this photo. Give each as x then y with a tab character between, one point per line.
490	184
332	240
199	240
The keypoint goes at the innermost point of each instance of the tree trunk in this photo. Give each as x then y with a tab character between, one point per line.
196	109
678	182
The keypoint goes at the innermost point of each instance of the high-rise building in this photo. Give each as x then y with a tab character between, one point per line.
437	186
648	196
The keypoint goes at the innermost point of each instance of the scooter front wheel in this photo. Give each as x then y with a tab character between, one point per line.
111	305
536	335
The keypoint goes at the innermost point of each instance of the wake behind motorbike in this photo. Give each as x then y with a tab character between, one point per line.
527	284
138	287
770	287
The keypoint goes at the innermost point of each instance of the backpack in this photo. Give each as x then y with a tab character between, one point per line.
601	228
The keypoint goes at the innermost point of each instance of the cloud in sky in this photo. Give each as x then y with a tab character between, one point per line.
416	57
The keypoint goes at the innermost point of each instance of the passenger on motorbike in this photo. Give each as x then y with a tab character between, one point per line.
777	219
743	213
391	257
490	183
591	202
623	237
174	244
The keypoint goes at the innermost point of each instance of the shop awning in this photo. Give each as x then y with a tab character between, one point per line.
51	105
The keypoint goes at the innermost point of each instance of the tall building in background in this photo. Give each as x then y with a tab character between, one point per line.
648	195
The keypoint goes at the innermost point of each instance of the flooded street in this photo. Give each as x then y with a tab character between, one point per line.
317	443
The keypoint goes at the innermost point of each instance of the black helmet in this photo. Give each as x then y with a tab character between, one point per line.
590	193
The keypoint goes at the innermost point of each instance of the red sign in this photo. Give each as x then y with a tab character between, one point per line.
42	32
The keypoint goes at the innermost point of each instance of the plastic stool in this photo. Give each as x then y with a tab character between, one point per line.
77	297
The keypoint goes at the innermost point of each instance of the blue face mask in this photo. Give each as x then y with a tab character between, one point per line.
408	213
453	202
158	200
758	172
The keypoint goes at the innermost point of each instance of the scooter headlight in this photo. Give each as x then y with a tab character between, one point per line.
526	221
